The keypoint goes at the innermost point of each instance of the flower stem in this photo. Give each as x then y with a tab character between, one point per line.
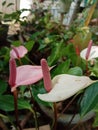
34	110
55	117
16	108
68	105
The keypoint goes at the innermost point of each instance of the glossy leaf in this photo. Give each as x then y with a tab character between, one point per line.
4	52
40	89
29	45
95	124
61	68
90	99
70	53
55	54
16	43
3	86
75	71
7	103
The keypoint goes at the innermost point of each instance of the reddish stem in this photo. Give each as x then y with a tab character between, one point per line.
16	108
55	116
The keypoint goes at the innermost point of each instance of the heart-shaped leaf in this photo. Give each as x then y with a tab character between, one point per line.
90	99
75	71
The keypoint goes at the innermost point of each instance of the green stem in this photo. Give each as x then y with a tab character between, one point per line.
34	111
36	123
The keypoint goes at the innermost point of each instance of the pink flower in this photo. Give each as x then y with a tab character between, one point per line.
18	52
23	75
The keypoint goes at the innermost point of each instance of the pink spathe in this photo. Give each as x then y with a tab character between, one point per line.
24	75
18	52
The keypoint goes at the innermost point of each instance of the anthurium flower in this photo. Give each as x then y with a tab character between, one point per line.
18	52
61	86
92	54
64	86
23	75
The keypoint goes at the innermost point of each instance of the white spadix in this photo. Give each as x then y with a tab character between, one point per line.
64	86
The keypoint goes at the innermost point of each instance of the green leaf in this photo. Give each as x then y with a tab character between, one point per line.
23	104
70	53
55	54
61	68
7	103
42	45
95	124
94	69
40	89
35	36
69	50
16	43
90	99
29	45
75	71
1	65
6	55
3	86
